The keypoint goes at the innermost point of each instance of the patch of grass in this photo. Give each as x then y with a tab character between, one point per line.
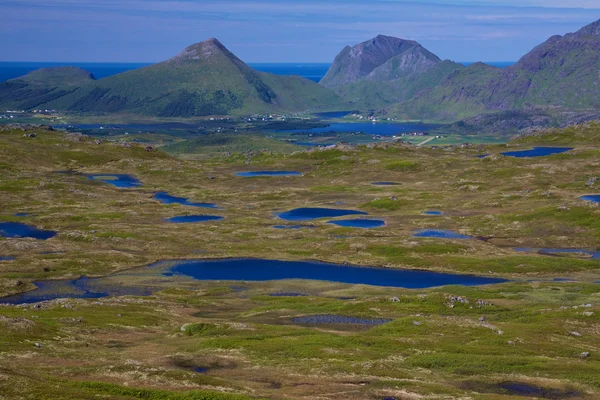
403	166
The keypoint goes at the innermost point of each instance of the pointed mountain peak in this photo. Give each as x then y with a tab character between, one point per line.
202	51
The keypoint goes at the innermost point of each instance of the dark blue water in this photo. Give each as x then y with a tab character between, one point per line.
83	288
314	72
441	234
118	180
383	129
7	258
248	270
339	319
166	198
18	230
433	213
190	219
10	70
385	183
594	198
269	270
293	226
595	254
359	223
537	152
252	174
309	214
201	370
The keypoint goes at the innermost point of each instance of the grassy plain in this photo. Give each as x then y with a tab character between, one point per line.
436	347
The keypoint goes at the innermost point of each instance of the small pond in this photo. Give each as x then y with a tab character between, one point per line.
246	270
7	258
594	198
595	254
166	198
309	214
191	219
433	213
253	174
339	319
359	223
18	230
385	183
537	152
118	180
441	234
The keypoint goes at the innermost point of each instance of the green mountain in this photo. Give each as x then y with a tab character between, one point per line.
561	74
204	79
385	70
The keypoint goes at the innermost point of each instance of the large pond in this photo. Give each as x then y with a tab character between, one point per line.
309	214
246	270
254	174
382	129
166	198
118	180
537	152
18	230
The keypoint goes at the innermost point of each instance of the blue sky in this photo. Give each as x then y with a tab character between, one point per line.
279	30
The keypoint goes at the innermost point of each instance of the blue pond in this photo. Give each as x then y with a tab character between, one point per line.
269	270
433	213
190	219
7	258
309	214
359	223
383	129
118	180
385	183
339	319
83	288
537	152
18	230
166	198
441	234
594	198
253	174
595	254
247	270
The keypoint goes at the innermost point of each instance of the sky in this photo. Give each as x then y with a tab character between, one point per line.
279	31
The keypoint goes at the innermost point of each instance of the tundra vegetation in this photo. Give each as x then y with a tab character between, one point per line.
536	335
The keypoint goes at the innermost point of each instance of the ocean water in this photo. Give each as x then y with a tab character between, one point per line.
312	71
11	70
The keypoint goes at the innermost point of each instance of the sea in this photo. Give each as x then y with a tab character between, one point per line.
312	71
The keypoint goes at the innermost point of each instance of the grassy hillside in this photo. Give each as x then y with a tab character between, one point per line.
205	79
242	340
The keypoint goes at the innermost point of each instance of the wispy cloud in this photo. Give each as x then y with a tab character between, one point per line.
279	30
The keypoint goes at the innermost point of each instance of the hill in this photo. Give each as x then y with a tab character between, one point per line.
204	79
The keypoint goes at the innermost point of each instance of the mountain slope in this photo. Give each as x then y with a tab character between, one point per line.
204	79
385	70
562	72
